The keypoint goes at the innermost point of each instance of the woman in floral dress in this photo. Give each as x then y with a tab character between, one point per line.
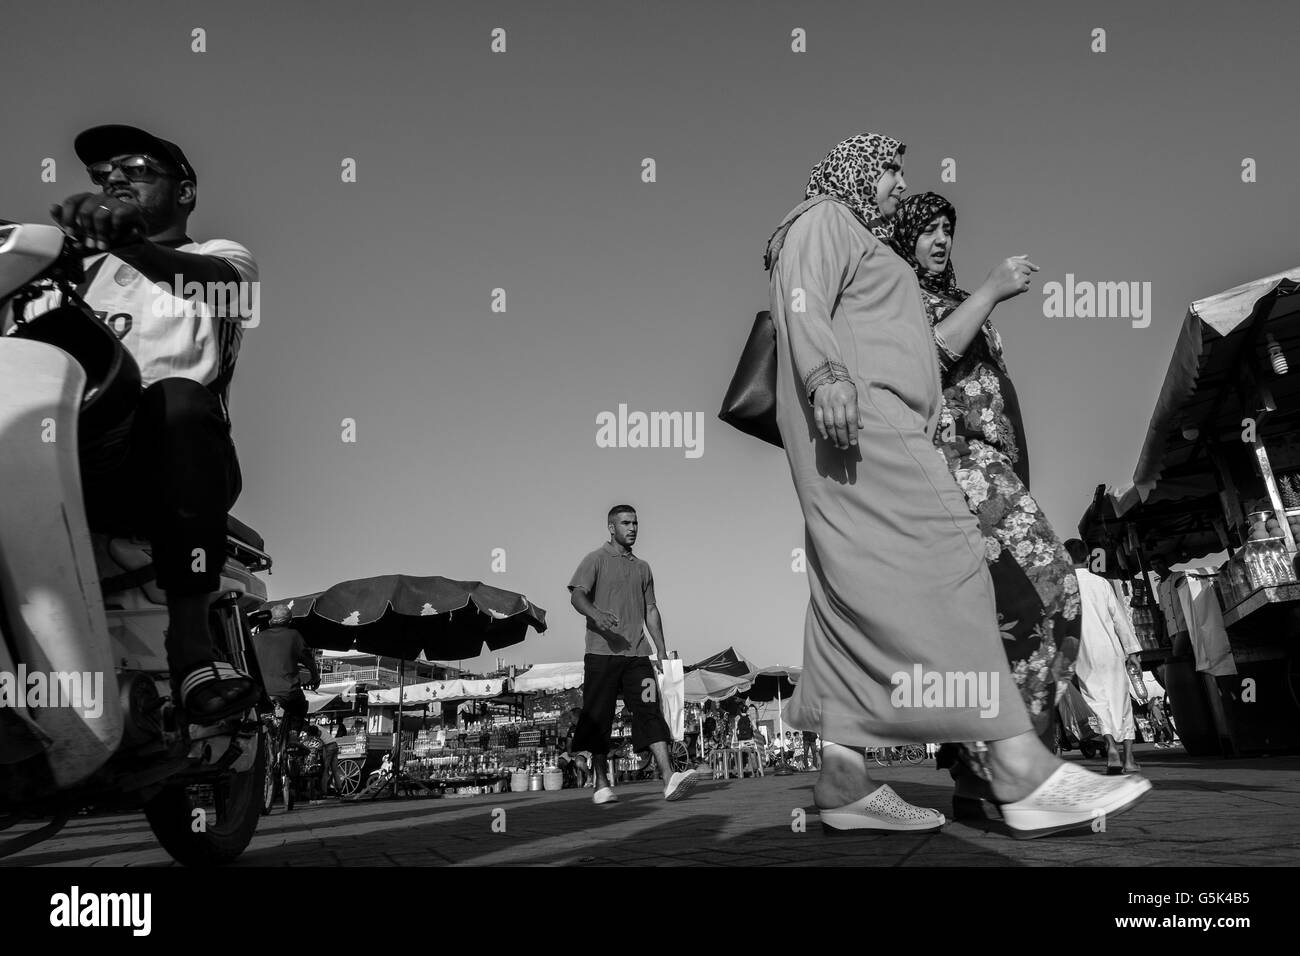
982	437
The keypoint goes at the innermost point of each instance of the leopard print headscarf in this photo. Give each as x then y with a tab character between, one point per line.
914	214
849	173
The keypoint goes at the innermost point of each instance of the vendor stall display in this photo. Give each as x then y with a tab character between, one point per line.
408	617
1219	473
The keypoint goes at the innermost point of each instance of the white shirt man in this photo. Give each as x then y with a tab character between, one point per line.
1105	643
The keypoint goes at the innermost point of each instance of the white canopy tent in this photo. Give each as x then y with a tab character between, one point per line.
549	677
346	689
438	691
326	694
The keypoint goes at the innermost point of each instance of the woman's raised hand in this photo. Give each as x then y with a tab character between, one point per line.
836	412
1009	278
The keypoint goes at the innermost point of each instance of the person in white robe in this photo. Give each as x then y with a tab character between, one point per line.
1106	644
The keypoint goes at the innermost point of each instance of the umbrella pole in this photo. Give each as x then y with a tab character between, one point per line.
784	769
397	730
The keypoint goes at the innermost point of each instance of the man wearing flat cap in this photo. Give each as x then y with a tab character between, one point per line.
180	308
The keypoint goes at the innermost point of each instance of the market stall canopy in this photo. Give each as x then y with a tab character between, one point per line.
438	691
549	678
402	616
1179	530
1174	484
1198	386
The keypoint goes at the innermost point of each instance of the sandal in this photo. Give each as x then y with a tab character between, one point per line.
214	692
881	811
1072	798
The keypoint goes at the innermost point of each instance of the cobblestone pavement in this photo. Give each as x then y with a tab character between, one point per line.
1203	812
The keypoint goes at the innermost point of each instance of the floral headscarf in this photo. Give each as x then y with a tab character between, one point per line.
914	214
849	174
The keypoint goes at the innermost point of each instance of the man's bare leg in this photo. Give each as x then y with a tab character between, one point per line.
599	764
1130	762
1112	752
660	750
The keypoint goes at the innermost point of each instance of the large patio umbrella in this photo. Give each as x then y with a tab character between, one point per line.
718	677
403	616
702	685
724	662
775	683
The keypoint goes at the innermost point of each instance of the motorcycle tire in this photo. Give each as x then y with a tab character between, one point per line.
239	809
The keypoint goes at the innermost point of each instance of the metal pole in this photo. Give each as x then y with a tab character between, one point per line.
397	757
784	768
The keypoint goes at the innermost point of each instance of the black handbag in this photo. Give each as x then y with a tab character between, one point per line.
750	402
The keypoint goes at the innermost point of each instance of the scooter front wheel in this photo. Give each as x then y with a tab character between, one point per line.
188	831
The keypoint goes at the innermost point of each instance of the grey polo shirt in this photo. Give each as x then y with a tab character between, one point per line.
623	585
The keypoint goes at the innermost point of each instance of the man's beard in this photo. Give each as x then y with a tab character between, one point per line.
156	218
157	215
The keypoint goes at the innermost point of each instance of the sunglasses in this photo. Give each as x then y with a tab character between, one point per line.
136	167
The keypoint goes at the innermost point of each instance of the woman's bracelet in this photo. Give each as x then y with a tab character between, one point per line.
824	374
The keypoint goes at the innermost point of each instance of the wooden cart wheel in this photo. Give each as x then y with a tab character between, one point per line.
349	777
679	756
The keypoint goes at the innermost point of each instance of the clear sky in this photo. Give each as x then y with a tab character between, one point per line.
522	171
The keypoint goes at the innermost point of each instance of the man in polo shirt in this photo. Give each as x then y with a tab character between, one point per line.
614	590
170	470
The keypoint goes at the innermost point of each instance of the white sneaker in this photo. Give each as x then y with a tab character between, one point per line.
604	795
680	784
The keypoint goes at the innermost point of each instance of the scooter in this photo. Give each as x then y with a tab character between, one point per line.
88	716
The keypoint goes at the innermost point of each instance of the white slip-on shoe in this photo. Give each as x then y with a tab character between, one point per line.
604	795
881	811
680	784
1073	798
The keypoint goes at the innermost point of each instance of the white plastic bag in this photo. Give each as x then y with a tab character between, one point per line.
672	696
